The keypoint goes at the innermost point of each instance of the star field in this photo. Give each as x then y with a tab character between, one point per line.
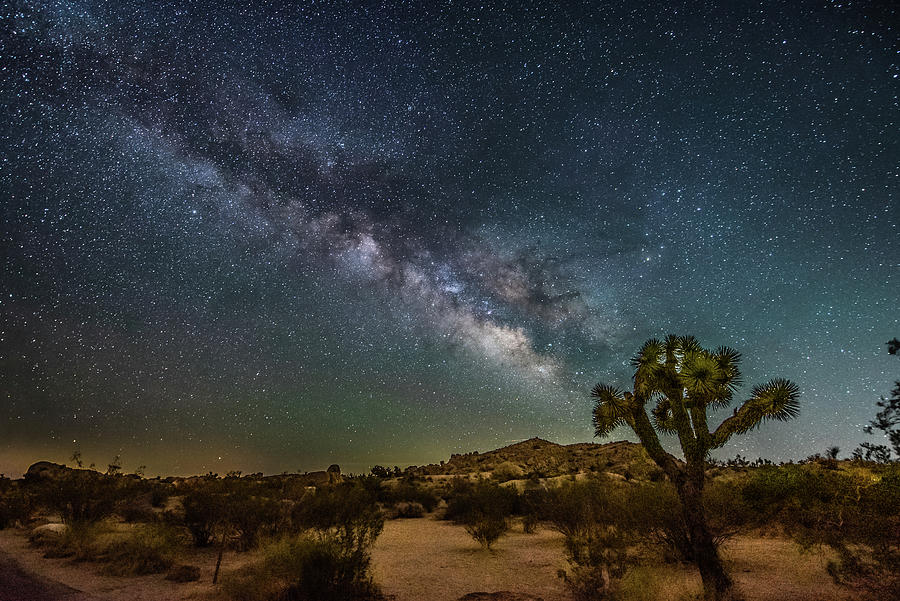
281	236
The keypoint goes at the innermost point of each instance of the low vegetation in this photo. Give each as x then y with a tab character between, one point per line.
324	557
856	513
316	543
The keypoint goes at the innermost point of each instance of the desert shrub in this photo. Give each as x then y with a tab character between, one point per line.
232	507
346	515
857	516
486	529
304	568
598	529
656	509
79	495
248	514
15	504
598	558
483	507
379	471
372	485
136	511
407	510
797	497
159	495
532	503
80	541
576	506
148	549
203	511
408	492
330	507
507	471
468	500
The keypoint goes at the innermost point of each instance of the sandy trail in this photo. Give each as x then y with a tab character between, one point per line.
16	584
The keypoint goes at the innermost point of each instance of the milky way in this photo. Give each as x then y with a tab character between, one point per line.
272	238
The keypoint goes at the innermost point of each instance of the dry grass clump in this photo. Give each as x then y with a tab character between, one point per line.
652	583
80	540
147	549
144	549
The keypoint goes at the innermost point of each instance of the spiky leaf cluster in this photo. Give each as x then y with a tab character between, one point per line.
683	380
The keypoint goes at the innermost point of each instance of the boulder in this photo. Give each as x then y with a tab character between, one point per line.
48	533
46	470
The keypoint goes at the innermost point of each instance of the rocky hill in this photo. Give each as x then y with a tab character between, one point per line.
543	459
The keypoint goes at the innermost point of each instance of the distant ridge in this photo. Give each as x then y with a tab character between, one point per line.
543	458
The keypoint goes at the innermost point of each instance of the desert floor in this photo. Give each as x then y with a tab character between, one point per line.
430	560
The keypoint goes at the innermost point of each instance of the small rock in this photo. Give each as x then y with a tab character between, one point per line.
47	532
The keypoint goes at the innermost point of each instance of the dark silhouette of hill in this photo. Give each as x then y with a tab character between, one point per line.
544	459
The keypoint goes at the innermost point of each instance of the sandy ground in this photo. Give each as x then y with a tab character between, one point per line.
84	577
438	561
430	560
18	585
774	569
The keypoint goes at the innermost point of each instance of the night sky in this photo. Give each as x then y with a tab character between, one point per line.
280	237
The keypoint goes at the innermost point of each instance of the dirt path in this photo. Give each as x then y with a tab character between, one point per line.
18	585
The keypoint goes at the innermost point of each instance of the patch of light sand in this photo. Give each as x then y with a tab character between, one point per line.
418	559
776	569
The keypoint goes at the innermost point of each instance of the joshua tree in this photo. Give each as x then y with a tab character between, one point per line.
683	380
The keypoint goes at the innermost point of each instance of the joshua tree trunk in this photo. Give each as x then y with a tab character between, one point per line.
684	380
716	582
